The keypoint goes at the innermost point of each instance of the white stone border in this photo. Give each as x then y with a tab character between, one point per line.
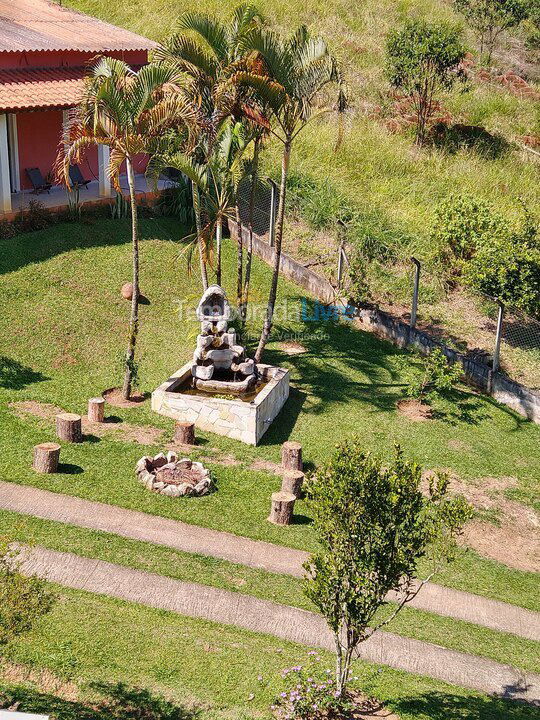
236	419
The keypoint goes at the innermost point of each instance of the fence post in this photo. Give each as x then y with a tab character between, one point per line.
497	351
341	252
273	203
414	308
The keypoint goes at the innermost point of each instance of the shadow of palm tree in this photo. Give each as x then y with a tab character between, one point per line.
445	706
341	363
117	701
16	376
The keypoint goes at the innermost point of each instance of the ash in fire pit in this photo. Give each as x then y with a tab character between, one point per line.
168	475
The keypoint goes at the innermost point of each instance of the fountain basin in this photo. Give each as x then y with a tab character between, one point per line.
235	418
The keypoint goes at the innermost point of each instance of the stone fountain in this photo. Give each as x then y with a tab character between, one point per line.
221	389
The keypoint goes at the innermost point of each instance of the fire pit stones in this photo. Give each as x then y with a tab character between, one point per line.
167	475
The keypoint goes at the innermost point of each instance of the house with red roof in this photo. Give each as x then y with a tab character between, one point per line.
45	50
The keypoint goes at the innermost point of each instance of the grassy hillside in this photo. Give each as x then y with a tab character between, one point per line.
379	171
393	187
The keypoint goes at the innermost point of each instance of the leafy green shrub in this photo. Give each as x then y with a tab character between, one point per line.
489	18
422	60
437	377
506	266
373	524
462	225
176	201
34	217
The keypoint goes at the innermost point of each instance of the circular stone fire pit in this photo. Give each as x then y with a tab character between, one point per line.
167	475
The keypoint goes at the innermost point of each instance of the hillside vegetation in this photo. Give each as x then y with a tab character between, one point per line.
395	184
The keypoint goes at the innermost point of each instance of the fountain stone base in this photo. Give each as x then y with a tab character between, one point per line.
235	418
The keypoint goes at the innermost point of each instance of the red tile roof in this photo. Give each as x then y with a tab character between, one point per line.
40	88
34	25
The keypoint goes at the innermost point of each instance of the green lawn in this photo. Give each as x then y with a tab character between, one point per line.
64	327
461	636
63	330
206	670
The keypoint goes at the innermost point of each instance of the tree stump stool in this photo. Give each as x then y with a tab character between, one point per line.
184	433
69	427
292	482
282	508
291	456
96	409
46	457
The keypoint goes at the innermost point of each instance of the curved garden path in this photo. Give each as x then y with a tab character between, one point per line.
282	621
244	551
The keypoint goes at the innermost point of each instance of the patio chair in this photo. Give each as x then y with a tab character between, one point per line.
76	177
38	181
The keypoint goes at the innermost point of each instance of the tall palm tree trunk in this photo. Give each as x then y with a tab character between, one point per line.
198	227
239	262
249	254
134	319
267	327
219	232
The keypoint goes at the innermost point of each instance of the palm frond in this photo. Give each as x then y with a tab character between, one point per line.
188	55
211	31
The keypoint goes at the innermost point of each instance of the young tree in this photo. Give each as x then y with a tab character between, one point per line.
23	600
422	60
373	525
127	111
489	18
294	74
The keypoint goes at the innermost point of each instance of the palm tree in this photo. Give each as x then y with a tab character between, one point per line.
215	181
209	52
296	72
129	112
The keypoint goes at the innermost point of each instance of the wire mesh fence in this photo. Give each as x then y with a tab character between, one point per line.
502	338
264	206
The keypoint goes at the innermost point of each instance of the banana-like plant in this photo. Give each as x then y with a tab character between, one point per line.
294	78
129	112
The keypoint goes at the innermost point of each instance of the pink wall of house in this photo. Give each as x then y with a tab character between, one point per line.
40	131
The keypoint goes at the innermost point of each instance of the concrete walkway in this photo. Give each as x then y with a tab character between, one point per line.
244	551
300	626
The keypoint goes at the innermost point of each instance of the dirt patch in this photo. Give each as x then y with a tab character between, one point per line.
44	679
113	396
292	347
44	411
515	541
267	466
144	435
459	445
513	537
414	410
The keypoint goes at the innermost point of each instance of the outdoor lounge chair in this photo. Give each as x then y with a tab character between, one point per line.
38	182
76	177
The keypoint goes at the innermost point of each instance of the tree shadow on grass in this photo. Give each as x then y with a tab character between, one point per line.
342	363
39	246
116	702
16	376
456	137
444	706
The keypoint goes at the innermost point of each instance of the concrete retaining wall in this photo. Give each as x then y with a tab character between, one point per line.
524	401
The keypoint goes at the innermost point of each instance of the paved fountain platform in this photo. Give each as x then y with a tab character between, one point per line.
237	419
